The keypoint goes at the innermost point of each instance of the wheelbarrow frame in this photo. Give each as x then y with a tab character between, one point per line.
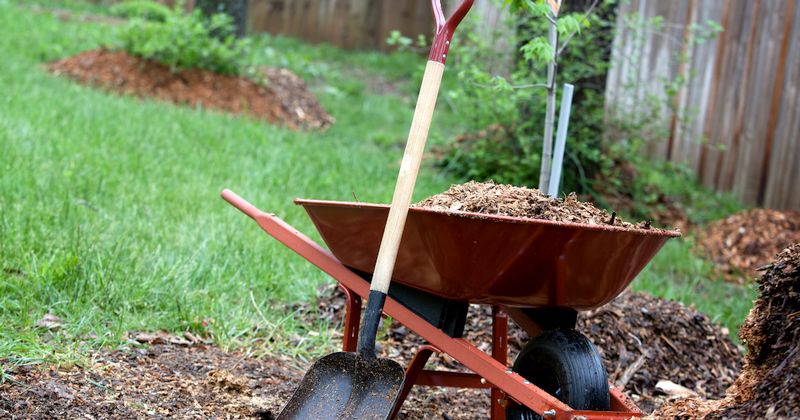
490	371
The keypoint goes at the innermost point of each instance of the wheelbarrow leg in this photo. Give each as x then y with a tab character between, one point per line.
499	353
412	372
351	319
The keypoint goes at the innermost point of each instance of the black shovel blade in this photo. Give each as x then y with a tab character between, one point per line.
347	386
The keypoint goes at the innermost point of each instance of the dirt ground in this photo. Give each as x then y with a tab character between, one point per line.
741	243
509	200
642	340
283	99
161	381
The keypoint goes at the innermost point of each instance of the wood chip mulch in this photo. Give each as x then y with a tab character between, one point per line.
642	340
769	386
283	100
165	380
508	200
742	242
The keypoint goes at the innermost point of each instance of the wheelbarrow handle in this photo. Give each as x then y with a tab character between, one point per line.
446	28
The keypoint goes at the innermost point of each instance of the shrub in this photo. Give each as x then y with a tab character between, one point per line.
144	9
187	41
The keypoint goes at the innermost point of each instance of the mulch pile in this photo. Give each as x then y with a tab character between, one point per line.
642	340
283	100
741	243
769	386
508	200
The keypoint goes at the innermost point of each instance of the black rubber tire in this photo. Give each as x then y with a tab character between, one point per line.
565	364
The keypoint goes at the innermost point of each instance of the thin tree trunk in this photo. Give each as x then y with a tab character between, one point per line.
236	9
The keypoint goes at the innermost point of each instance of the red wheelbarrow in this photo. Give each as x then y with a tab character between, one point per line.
538	272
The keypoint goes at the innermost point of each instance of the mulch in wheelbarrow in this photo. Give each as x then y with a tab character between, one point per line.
284	98
742	242
769	386
509	200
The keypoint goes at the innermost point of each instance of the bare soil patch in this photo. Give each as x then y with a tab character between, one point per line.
745	241
508	200
769	386
283	99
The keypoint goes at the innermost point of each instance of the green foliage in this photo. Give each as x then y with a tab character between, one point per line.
598	143
654	187
517	100
537	50
188	41
144	9
404	43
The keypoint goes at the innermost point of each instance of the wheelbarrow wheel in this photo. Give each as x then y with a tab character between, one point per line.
565	364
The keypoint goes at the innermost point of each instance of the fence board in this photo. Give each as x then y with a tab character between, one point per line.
780	186
736	119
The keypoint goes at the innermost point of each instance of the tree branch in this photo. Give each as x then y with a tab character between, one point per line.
569	37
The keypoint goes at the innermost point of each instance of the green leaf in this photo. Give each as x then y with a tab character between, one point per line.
538	50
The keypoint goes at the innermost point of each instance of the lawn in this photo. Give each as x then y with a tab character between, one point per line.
110	216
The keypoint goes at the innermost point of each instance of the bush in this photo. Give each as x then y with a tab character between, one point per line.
187	41
148	10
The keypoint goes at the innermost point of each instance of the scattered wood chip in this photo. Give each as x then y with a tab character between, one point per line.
674	390
50	322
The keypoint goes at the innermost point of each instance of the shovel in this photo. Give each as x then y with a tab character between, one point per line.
359	385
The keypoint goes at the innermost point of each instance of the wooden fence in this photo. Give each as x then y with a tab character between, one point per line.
344	23
736	119
354	24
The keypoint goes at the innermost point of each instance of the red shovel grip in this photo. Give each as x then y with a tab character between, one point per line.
446	28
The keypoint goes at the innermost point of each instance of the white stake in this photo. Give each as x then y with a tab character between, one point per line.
547	139
561	139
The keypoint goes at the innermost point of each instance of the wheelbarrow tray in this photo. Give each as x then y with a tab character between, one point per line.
491	259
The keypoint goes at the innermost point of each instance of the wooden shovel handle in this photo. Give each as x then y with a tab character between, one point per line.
417	136
407	177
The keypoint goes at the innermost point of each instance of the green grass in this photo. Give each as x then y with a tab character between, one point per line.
109	205
110	216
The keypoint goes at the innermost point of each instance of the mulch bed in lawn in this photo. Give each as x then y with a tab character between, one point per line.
742	242
769	386
283	100
508	200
